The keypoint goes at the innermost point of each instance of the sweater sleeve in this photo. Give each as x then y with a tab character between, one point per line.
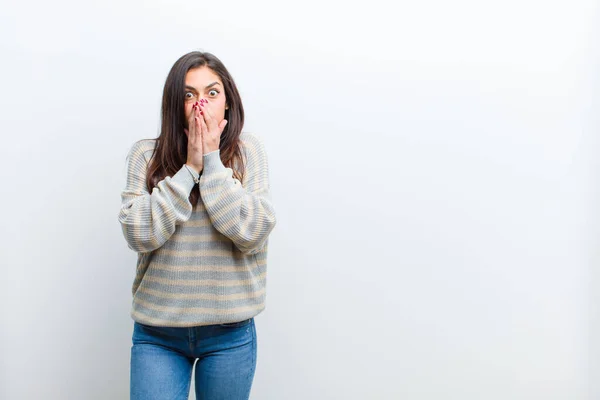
149	219
243	213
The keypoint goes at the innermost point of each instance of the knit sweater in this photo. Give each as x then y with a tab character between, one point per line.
198	264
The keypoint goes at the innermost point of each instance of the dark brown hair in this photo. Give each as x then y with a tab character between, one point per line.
170	152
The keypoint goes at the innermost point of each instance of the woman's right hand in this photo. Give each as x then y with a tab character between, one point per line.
194	134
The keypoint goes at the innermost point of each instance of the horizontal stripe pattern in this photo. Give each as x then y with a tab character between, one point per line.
180	309
175	318
199	282
190	305
242	212
231	275
202	264
168	286
195	268
149	219
214	297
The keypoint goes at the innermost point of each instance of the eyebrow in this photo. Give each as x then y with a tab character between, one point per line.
194	89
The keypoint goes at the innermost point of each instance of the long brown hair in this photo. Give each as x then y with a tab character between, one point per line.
170	152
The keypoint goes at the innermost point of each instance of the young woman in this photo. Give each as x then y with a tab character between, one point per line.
197	210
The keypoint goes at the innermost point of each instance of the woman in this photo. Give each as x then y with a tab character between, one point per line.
196	208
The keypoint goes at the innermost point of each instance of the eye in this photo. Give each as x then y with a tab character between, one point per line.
189	95
215	91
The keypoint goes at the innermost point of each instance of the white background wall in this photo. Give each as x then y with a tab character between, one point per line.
433	167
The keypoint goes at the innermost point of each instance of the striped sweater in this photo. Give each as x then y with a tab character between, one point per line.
198	264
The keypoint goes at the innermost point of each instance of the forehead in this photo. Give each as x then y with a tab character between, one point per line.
201	77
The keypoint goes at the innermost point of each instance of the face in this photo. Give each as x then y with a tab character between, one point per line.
203	83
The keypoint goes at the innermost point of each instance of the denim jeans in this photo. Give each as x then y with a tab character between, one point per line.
162	360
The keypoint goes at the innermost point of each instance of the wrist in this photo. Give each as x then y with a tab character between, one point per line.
193	172
209	149
194	168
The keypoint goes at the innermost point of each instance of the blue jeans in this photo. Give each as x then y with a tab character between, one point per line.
162	360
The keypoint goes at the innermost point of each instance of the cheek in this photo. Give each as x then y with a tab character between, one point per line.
188	111
221	108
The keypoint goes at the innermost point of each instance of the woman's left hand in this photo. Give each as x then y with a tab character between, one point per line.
211	128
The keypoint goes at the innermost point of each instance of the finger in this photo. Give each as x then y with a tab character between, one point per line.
222	125
192	123
190	119
189	131
208	116
197	122
204	128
